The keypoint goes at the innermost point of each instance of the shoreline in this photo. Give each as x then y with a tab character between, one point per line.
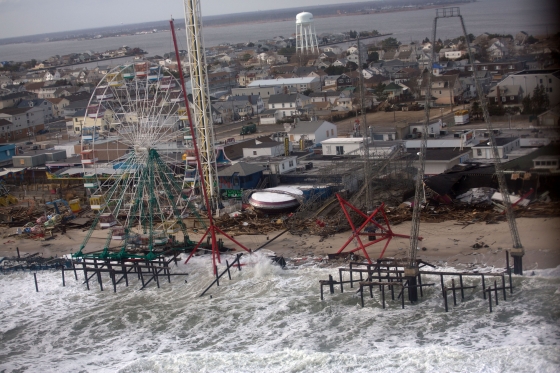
446	243
253	23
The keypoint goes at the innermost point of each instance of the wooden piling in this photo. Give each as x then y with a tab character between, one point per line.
490	298
462	290
453	289
63	282
36	285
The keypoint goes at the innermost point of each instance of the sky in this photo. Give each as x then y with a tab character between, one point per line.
30	17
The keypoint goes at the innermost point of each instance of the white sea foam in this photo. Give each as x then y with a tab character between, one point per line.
270	319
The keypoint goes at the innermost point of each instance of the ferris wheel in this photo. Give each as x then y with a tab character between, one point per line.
133	155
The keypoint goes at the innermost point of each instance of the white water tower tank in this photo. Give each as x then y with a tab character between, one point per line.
306	37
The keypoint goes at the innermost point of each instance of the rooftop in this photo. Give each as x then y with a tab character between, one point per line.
439	154
241	168
500	141
272	82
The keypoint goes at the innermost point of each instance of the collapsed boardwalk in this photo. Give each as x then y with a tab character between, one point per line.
390	273
119	270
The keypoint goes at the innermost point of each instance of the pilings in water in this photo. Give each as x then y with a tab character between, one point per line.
118	271
388	274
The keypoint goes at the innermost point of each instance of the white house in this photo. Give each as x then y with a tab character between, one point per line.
341	146
264	147
505	145
315	131
300	84
434	128
440	160
529	79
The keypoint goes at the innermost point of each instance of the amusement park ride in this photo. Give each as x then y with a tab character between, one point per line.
138	195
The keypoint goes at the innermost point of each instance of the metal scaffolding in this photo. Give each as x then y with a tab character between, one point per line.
202	114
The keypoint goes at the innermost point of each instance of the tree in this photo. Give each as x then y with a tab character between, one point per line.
540	101
353	34
476	110
246	57
373	56
351	66
334	70
389	43
526	102
374	33
250	44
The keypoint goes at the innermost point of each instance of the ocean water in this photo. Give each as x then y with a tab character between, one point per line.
496	16
269	319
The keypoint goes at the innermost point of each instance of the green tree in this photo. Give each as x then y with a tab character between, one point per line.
246	57
334	70
539	101
250	44
526	102
373	56
389	43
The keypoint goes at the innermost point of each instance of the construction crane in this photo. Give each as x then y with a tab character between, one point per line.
411	270
202	114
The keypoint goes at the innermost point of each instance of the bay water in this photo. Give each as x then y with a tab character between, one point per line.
537	17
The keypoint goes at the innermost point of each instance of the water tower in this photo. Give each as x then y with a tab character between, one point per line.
306	38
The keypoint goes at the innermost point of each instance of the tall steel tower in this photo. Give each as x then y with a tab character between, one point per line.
306	38
202	115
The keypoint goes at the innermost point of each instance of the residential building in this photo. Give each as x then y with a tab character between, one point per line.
445	88
255	101
505	145
58	105
313	131
438	161
42	104
238	177
530	79
299	84
23	122
506	94
264	146
13	99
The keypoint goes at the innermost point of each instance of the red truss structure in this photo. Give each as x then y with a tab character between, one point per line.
382	233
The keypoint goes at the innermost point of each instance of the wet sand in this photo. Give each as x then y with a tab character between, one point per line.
447	243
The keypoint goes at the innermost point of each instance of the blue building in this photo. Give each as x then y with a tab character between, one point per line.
238	177
7	151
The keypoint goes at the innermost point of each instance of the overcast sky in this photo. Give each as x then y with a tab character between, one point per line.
29	17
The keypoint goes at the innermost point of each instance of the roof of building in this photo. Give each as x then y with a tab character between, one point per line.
11	96
4	122
500	141
439	154
343	140
277	99
505	90
533	72
304	128
272	82
14	110
263	142
241	168
324	94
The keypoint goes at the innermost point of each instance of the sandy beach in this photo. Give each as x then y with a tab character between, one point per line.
447	243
